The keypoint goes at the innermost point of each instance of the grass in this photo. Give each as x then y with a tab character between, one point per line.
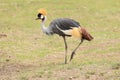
28	54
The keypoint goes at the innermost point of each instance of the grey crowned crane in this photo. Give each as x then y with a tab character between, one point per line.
64	27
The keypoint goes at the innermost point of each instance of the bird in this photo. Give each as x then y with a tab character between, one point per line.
64	27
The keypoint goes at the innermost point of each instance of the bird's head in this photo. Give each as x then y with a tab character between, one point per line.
41	14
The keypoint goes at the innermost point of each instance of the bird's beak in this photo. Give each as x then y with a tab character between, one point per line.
37	18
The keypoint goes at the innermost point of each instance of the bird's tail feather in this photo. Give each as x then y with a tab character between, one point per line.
86	35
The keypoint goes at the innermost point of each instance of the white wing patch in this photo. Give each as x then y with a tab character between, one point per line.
67	32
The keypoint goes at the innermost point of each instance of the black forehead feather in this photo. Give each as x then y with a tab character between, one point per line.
39	15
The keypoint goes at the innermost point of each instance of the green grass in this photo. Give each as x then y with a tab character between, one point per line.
32	55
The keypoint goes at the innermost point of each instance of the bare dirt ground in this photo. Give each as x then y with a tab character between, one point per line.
52	70
83	67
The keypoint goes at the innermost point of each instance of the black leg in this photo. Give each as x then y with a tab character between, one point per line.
65	49
75	50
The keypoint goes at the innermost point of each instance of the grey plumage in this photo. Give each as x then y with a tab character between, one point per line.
64	24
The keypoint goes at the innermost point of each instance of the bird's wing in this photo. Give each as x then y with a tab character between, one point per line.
67	32
66	24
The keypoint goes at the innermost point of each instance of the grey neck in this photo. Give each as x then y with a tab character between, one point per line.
45	30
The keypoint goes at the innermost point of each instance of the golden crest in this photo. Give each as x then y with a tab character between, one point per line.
42	11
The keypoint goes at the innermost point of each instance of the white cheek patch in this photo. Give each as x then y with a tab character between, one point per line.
42	16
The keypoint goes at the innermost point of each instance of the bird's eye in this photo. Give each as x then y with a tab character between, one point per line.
39	15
